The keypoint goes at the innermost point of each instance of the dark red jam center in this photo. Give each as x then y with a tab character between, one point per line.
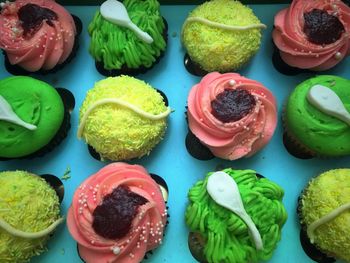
32	17
322	28
232	105
113	218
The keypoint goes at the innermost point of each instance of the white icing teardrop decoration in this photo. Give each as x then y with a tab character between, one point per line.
7	114
116	13
327	101
224	191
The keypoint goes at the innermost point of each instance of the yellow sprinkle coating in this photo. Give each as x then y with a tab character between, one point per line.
29	204
117	133
325	193
217	49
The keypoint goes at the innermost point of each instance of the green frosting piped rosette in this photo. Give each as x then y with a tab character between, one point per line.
225	234
118	47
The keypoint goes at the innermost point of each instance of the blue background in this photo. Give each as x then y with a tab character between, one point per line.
170	158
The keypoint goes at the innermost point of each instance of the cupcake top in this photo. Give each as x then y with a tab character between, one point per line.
228	235
323	132
326	216
221	35
313	34
117	46
31	113
122	118
232	115
120	193
29	212
36	34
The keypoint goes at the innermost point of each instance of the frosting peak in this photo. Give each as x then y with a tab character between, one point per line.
147	226
236	138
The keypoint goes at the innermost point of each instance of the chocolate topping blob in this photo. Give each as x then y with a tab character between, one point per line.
322	28
32	17
232	105
112	219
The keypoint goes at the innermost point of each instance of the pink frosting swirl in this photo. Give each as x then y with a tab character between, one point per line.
49	46
236	139
293	45
147	227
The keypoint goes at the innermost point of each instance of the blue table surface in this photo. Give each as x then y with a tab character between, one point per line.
170	158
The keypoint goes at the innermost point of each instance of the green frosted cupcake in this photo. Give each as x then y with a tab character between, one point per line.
218	234
34	117
119	50
29	212
324	211
122	118
315	117
221	35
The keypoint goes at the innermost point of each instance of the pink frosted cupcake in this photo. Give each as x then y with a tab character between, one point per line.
37	35
117	215
313	35
232	116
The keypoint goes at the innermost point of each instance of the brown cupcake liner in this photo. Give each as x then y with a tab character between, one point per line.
56	185
60	135
291	143
18	71
195	147
295	147
193	67
283	67
125	70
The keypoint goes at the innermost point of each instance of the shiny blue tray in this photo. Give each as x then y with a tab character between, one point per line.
170	158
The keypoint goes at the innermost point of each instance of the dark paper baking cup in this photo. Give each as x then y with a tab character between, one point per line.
195	147
125	70
17	70
283	67
291	143
295	147
61	134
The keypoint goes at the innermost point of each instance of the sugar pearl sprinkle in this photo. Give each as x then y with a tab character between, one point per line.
338	55
116	250
232	82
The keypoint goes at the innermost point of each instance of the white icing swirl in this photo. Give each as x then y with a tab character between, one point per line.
122	103
325	219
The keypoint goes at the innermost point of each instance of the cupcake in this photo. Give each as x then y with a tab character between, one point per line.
325	217
120	46
120	193
34	117
234	216
29	213
122	118
221	35
232	116
312	35
316	118
37	36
